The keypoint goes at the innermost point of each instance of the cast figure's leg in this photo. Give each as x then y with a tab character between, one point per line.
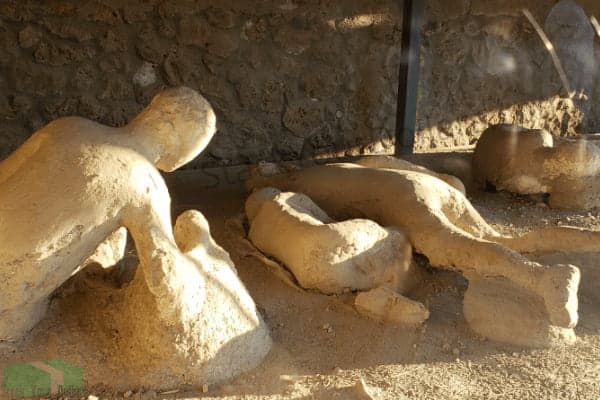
449	246
562	238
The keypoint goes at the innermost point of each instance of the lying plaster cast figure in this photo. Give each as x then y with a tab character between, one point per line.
442	224
532	161
390	162
75	183
330	256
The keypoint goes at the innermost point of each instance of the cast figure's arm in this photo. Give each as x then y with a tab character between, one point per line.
16	159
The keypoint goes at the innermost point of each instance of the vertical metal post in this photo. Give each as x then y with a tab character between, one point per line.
408	81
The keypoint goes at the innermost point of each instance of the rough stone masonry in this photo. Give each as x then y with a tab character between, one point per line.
288	79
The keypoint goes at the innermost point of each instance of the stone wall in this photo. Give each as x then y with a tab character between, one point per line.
483	63
289	79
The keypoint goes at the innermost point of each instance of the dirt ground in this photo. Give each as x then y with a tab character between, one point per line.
324	350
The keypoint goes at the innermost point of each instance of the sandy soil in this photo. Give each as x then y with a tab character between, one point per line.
324	350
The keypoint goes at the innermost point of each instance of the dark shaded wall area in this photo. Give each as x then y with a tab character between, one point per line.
288	79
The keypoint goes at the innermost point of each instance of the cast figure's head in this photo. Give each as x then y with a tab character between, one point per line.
177	124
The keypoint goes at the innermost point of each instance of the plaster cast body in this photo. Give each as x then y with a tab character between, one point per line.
529	161
75	183
389	162
442	224
334	257
329	256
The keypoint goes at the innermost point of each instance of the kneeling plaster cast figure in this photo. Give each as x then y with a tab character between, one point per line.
75	183
443	225
532	161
